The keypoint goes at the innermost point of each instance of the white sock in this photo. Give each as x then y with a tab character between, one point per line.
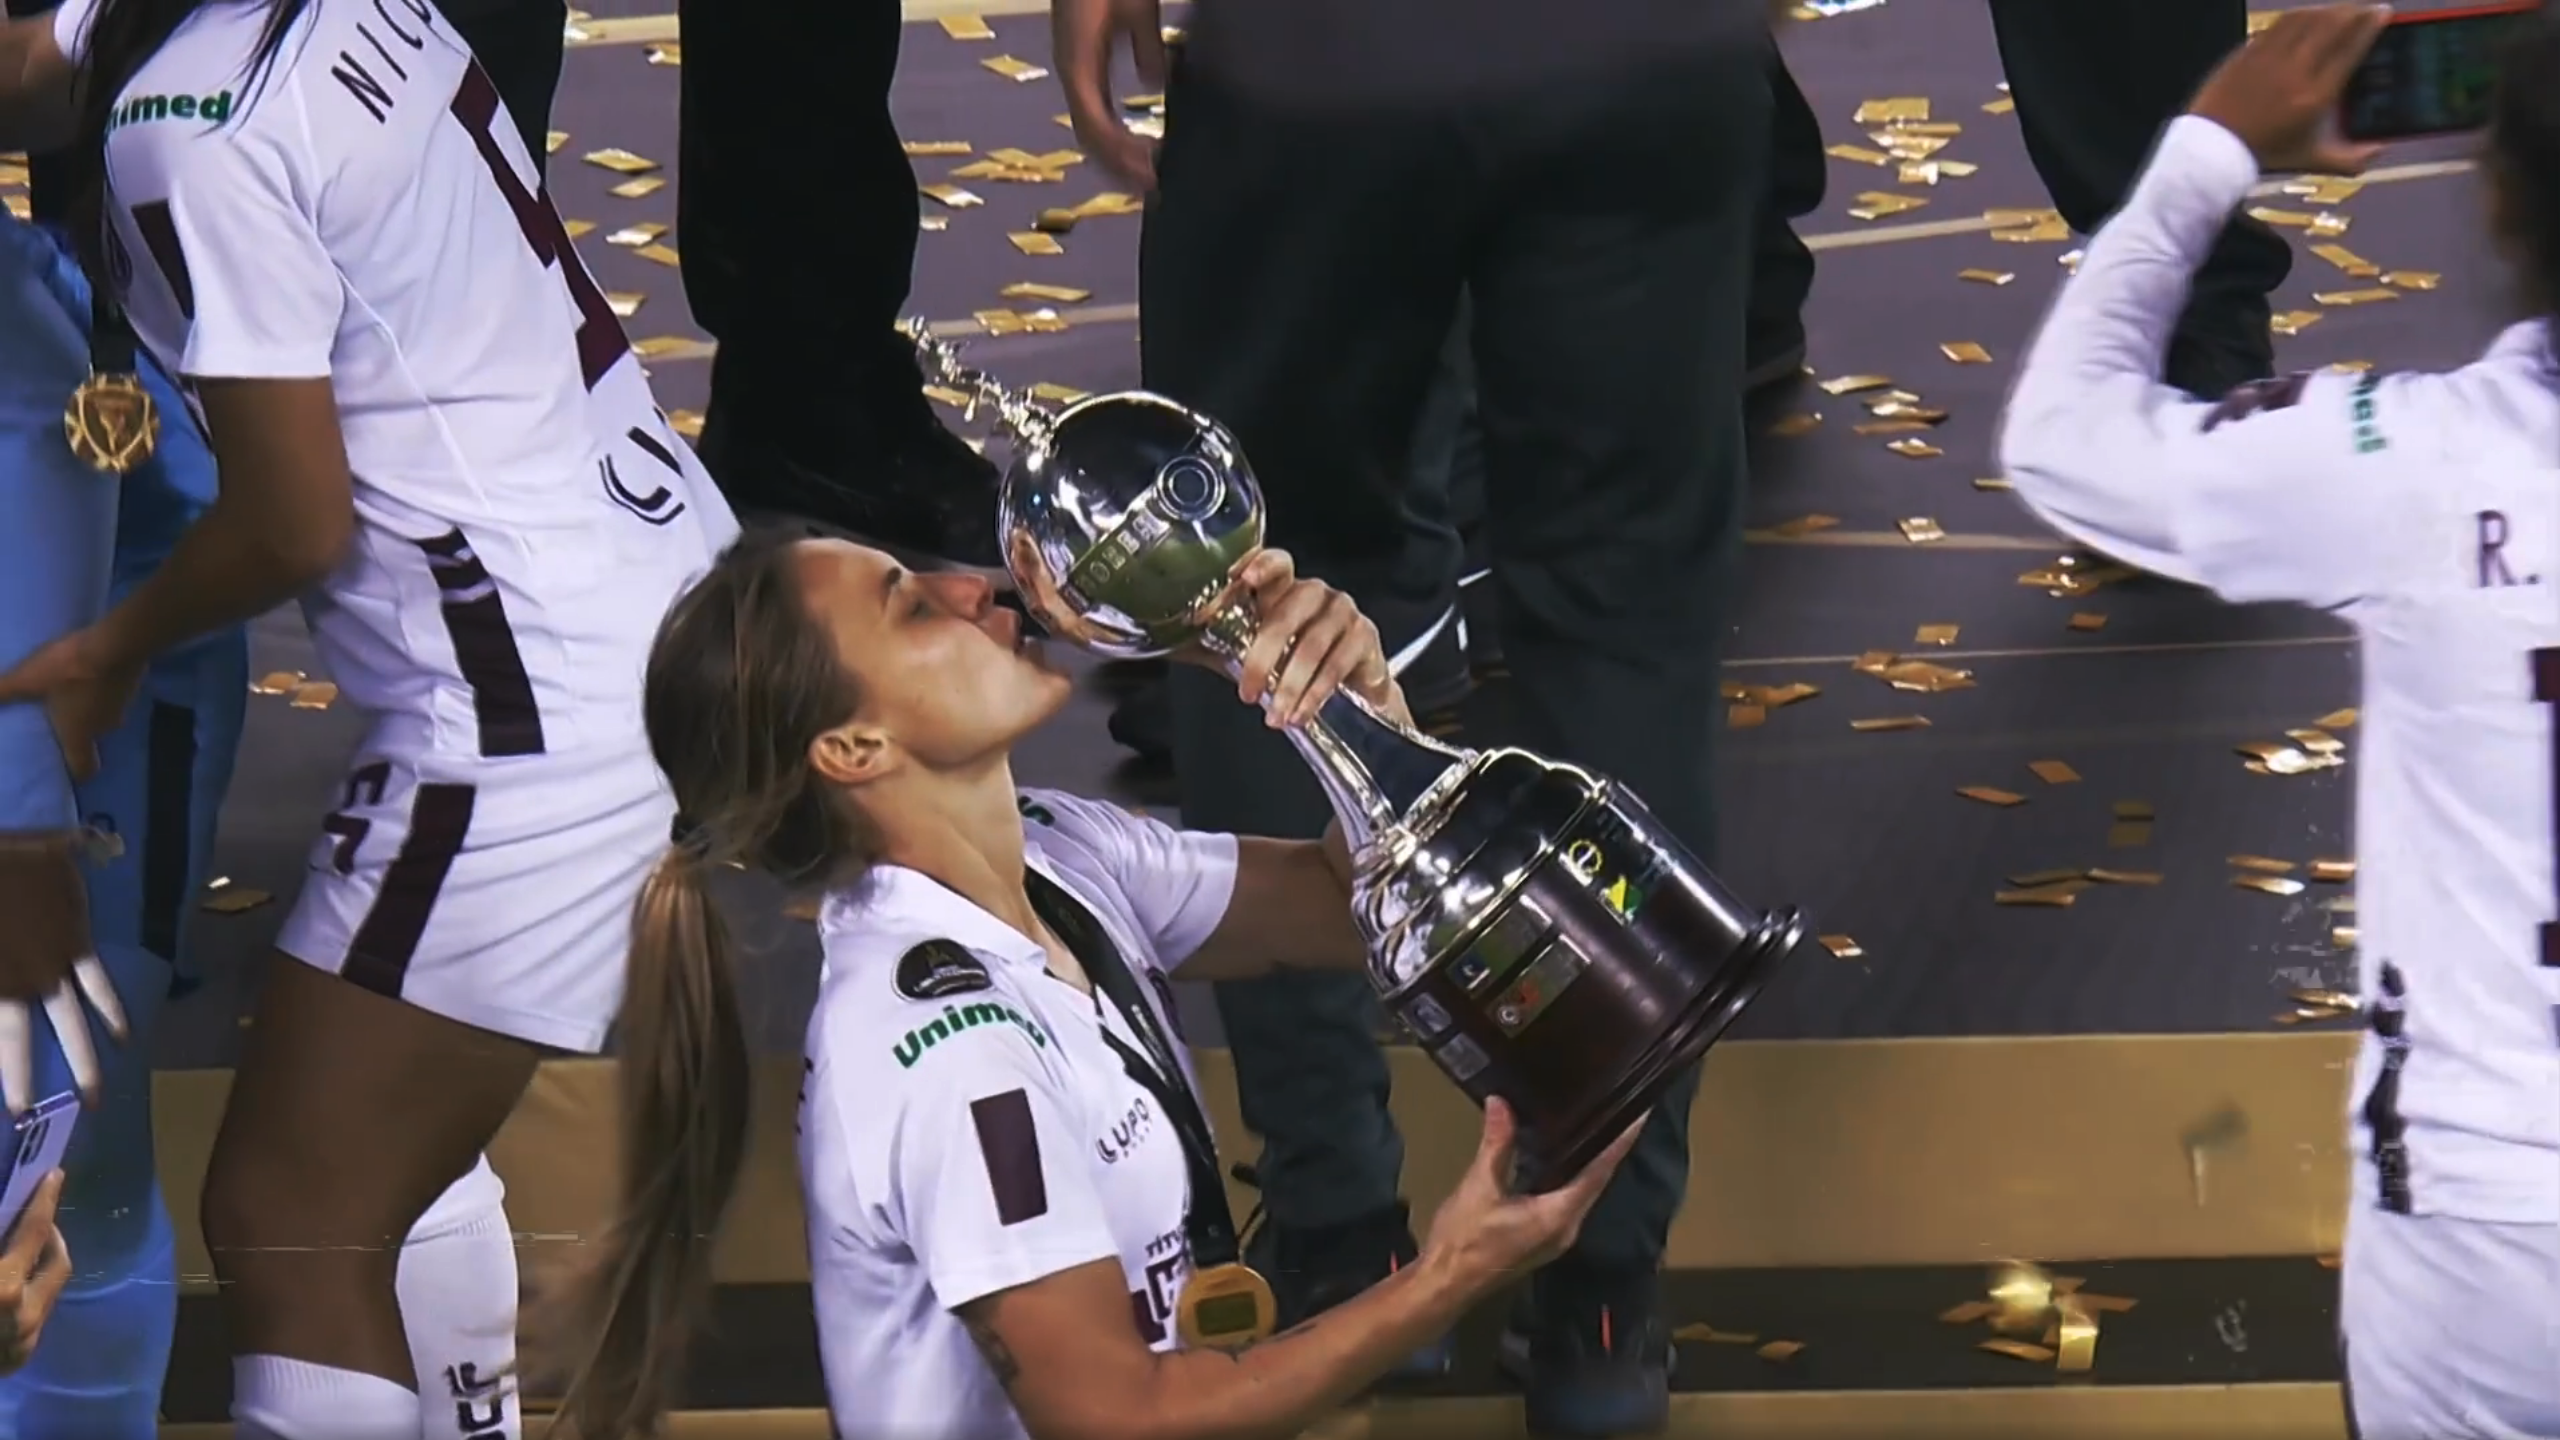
273	1398
458	1303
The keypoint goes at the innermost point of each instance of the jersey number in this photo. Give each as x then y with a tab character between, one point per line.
364	788
600	338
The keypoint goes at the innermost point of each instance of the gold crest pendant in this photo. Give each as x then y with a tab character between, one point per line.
112	423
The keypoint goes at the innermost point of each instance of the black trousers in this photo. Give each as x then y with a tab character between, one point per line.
1299	278
799	282
519	43
2095	81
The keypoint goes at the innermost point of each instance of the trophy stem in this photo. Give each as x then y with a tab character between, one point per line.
1373	770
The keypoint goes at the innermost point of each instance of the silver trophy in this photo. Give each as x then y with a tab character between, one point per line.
1535	927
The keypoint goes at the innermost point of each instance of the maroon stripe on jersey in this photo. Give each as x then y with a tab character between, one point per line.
601	342
439	822
160	237
2546	690
1010	1144
485	649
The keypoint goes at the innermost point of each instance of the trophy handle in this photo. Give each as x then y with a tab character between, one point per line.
1373	770
1023	419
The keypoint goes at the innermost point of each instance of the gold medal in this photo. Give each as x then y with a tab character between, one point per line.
112	423
1225	1307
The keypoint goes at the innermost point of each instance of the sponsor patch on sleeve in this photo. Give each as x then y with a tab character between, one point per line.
1009	1142
2258	397
939	969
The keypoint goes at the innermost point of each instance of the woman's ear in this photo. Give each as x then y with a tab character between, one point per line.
851	754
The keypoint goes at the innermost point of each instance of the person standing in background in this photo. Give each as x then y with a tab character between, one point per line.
1334	178
2095	82
817	408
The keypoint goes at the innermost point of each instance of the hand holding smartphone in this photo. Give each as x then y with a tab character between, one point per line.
39	1140
2430	73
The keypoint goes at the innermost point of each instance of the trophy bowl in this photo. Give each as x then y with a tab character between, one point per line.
1122	519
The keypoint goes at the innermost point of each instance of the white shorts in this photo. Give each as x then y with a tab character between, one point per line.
2452	1328
494	892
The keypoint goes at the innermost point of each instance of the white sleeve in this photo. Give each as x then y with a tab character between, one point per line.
261	295
71	22
1178	882
989	1176
2288	489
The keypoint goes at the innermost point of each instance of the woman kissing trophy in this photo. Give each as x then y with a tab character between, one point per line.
1537	929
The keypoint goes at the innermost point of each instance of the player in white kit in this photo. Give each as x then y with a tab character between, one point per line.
1017	1220
430	428
2426	510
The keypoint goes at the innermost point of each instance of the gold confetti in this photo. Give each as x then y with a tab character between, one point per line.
2412	279
1919	529
2075	1336
2327	190
2001	106
1771	696
1896	110
1033	242
2339	299
1914	448
1852	384
2042	232
1800	423
671	53
1990	796
1877	204
313	695
804	907
950	196
661	254
1986	277
1034	290
2326	225
277	682
2128	834
929	149
2017	1350
1843	948
967	27
1965	352
1804	525
1890	722
2332	872
658	346
1780	1350
687	423
2038	879
1993	484
934	224
1935	635
2105	876
2342	937
1018	71
2347	261
2262	864
1859	154
2268	884
552	141
2051	897
640	189
632	237
2053	772
2133	810
2337	719
2294	322
620	162
2293	219
224	898
1745	717
1890	427
624	303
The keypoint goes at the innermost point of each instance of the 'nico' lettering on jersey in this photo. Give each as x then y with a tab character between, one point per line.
397	30
956	1018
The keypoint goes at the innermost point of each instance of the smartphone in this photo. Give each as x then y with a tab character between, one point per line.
43	1137
2430	73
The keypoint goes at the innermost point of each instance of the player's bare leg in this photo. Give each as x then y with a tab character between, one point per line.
351	1114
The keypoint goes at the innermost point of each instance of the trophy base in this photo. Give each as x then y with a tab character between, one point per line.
1550	1161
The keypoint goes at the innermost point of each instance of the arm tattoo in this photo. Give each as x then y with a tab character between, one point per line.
991	1345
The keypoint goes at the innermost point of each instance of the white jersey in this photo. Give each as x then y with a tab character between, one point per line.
362	210
2425	509
965	1128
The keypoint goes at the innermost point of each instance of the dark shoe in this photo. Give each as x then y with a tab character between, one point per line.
925	491
1143	722
1773	359
1312	1270
1592	1354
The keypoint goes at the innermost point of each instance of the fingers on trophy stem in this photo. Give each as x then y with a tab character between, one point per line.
79	1051
90	973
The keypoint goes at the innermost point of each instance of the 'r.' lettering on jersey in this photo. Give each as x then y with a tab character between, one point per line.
2494	532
